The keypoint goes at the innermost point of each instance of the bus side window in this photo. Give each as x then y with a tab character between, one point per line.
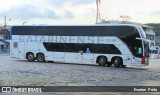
138	50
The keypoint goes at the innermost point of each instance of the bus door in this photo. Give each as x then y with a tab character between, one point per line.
17	50
14	50
88	57
21	48
136	61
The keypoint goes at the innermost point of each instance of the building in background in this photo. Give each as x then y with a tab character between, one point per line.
4	40
158	41
158	44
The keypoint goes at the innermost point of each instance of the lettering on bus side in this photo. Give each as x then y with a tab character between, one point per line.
29	39
80	39
67	39
90	39
111	40
52	38
42	39
71	39
21	38
100	40
62	39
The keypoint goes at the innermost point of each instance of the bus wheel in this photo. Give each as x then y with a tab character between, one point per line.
102	61
123	66
30	57
117	62
40	57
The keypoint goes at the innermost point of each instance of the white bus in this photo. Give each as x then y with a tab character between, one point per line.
104	44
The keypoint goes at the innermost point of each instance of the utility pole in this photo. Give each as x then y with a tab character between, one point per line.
98	17
4	22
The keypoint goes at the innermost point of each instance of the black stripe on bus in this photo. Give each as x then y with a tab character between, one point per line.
119	31
86	48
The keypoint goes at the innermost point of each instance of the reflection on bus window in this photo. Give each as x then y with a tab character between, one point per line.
138	50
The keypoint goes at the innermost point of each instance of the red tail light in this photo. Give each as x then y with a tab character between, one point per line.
143	60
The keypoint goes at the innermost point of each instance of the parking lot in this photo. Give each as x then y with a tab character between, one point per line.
15	72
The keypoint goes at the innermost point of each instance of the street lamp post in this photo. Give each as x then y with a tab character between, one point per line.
8	21
5	24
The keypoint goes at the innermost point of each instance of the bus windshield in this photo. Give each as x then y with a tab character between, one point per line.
133	44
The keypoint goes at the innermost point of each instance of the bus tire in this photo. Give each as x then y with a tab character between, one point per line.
123	66
30	57
40	57
117	62
102	61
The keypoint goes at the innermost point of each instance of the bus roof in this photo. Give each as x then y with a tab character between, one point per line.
85	25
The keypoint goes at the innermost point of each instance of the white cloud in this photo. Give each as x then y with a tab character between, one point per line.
77	11
138	10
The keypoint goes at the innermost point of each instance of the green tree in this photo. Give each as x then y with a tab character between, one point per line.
156	27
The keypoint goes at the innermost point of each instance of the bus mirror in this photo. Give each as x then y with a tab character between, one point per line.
146	40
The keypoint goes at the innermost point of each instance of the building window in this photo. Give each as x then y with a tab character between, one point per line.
7	46
2	47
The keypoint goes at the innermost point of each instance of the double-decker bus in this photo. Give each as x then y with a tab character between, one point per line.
103	44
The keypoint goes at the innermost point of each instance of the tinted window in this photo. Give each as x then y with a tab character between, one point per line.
72	47
146	49
133	44
73	30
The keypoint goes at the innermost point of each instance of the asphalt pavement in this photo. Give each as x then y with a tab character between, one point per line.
15	72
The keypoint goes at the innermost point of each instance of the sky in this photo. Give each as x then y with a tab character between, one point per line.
51	12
